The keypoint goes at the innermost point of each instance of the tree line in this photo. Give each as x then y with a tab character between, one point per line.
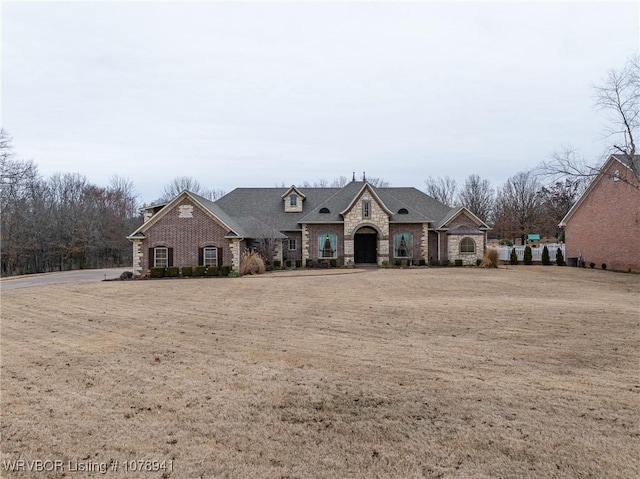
63	222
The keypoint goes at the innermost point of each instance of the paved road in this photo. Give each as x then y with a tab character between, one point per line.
82	275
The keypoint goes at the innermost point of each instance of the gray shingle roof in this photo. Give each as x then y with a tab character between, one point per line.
628	161
267	205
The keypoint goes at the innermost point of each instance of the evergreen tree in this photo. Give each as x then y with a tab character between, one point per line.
546	260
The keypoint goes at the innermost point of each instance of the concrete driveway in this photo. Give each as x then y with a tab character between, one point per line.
82	275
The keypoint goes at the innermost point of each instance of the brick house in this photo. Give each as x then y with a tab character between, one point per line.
603	226
358	223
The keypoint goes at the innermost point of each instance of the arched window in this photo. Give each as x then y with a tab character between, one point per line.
327	245
402	245
403	211
467	245
324	210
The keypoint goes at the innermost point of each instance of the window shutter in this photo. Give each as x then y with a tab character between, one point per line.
219	253
200	256
151	265
170	256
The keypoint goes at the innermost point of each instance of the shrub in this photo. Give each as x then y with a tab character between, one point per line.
225	269
309	263
172	272
604	265
276	264
252	263
126	275
333	263
199	270
187	271
592	265
287	263
298	263
528	255
490	258
212	271
506	242
156	272
457	262
434	262
398	263
546	259
445	262
513	259
559	258
385	263
422	262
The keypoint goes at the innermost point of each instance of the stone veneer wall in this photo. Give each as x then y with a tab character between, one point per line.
353	221
468	259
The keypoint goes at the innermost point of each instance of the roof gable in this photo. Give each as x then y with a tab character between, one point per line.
612	162
210	208
448	220
372	191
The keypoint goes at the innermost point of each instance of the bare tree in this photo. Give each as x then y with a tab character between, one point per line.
181	183
445	190
478	196
518	207
556	201
619	96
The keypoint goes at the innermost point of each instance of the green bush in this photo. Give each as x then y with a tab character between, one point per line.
288	263
559	258
513	259
187	271
528	255
156	272
457	262
445	262
298	263
225	270
422	262
276	264
172	272
506	242
546	259
333	263
199	270
212	271
478	261
385	263
434	262
309	263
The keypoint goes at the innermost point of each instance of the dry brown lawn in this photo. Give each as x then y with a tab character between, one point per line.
444	372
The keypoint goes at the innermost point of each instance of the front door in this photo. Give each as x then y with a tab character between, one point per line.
366	247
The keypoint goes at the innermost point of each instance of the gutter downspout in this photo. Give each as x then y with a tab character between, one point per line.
438	245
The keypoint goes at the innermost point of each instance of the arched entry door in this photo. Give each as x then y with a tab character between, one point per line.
365	245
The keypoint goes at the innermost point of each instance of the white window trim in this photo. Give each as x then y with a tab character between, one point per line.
409	251
155	257
204	256
335	252
366	208
295	244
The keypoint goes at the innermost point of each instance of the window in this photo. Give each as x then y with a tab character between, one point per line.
293	245
403	211
327	245
161	257
366	209
210	256
324	210
293	200
402	245
467	245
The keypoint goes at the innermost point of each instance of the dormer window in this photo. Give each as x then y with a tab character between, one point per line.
403	211
324	210
293	200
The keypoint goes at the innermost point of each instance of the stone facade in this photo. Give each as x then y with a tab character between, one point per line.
468	259
354	220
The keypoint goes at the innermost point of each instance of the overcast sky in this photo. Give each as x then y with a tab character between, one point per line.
254	94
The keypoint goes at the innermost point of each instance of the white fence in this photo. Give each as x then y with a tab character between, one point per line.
504	252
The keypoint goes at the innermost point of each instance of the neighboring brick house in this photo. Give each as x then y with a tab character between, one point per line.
603	226
358	223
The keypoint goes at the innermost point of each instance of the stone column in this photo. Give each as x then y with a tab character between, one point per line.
137	257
